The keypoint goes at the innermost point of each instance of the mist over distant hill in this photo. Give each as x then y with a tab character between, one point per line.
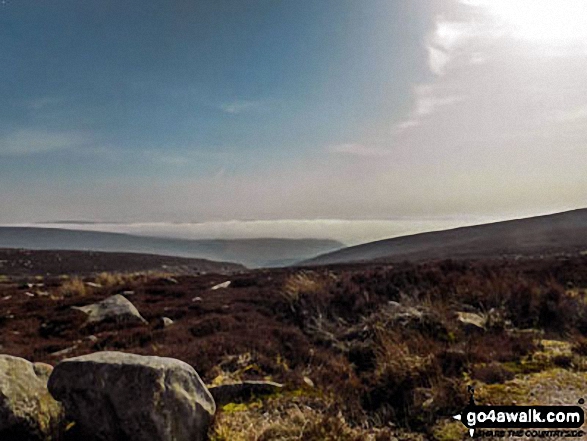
249	252
541	235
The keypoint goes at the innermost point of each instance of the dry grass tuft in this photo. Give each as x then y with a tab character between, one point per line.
108	280
303	282
74	287
289	418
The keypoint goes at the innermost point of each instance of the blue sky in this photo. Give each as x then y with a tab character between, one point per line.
193	81
265	110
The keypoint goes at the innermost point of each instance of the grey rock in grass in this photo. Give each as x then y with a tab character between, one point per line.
113	309
120	396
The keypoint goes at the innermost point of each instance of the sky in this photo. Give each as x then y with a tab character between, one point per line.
286	118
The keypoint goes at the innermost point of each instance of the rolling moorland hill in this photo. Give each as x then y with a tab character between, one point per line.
26	263
249	252
541	235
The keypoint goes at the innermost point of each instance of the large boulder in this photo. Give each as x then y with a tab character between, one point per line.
119	396
115	309
27	410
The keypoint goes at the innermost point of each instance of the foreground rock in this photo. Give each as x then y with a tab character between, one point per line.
119	396
27	410
113	309
243	391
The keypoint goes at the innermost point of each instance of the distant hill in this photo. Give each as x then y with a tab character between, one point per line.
19	262
541	235
249	252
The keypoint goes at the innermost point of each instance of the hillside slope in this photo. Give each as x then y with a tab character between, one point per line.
556	233
20	263
249	252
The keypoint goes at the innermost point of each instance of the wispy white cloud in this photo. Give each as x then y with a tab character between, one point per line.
162	157
357	150
429	99
240	106
44	102
187	155
438	58
28	142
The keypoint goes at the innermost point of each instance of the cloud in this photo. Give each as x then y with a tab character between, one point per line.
357	150
162	157
429	99
346	231
572	115
43	102
29	142
237	107
438	58
447	39
549	22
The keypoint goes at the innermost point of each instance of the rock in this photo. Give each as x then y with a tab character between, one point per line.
421	318
27	410
197	299
243	391
93	285
120	396
170	280
43	371
63	352
164	322
113	309
221	285
128	293
471	322
496	320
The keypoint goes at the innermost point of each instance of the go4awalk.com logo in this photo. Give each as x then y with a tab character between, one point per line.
521	421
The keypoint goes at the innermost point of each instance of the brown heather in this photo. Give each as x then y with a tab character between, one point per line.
328	333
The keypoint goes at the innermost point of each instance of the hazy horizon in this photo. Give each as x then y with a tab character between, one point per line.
354	121
348	232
